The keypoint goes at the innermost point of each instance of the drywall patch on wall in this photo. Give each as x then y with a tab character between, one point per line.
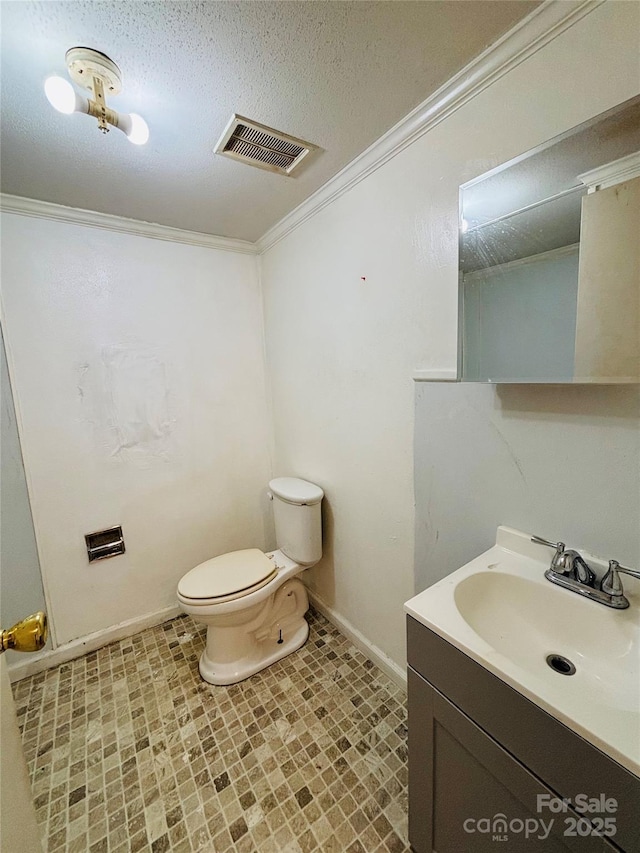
128	404
139	422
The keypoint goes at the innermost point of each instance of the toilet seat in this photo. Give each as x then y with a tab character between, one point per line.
227	577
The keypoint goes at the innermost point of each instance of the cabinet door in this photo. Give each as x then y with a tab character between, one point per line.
460	780
608	315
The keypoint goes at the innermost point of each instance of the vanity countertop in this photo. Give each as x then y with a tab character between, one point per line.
500	610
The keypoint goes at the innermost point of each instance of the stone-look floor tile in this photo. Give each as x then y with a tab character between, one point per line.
131	752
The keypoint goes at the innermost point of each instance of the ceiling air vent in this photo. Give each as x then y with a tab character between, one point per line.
261	146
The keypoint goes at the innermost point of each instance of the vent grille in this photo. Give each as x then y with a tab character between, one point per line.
258	145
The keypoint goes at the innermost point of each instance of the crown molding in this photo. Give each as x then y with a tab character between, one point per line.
535	31
624	169
92	219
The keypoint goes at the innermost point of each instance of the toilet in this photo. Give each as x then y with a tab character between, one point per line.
252	602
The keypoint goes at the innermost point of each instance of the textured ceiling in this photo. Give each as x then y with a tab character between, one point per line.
338	74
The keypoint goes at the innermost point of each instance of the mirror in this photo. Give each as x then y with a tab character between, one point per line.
550	260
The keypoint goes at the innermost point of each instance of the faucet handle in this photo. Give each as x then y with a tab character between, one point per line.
559	546
557	559
633	572
611	582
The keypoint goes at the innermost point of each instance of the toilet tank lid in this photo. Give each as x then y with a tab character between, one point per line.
296	491
227	574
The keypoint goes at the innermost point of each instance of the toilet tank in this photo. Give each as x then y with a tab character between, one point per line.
296	511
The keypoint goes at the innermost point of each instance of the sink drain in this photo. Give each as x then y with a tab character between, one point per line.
561	664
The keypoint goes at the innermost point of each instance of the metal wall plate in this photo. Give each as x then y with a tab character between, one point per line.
105	543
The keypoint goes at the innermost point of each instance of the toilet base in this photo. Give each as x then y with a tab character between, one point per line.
267	652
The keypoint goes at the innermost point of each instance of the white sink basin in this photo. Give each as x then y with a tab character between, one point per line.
501	611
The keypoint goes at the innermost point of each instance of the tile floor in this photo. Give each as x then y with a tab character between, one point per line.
129	750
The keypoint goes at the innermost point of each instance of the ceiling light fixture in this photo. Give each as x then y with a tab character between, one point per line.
94	71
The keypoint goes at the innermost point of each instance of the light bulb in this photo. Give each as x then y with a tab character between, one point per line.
60	94
138	132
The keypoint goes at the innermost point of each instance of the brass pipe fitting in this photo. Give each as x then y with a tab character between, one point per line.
28	635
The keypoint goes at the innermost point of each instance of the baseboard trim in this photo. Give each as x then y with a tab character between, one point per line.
390	668
33	664
121	224
91	642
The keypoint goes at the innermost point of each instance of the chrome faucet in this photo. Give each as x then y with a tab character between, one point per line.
568	562
569	570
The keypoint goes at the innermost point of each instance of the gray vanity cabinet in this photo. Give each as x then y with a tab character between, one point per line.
481	755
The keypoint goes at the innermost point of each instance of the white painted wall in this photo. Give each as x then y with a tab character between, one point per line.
138	373
341	350
561	462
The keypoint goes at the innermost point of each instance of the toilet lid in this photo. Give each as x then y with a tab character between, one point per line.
227	574
296	491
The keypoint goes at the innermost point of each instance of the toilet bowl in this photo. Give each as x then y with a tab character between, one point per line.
252	602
